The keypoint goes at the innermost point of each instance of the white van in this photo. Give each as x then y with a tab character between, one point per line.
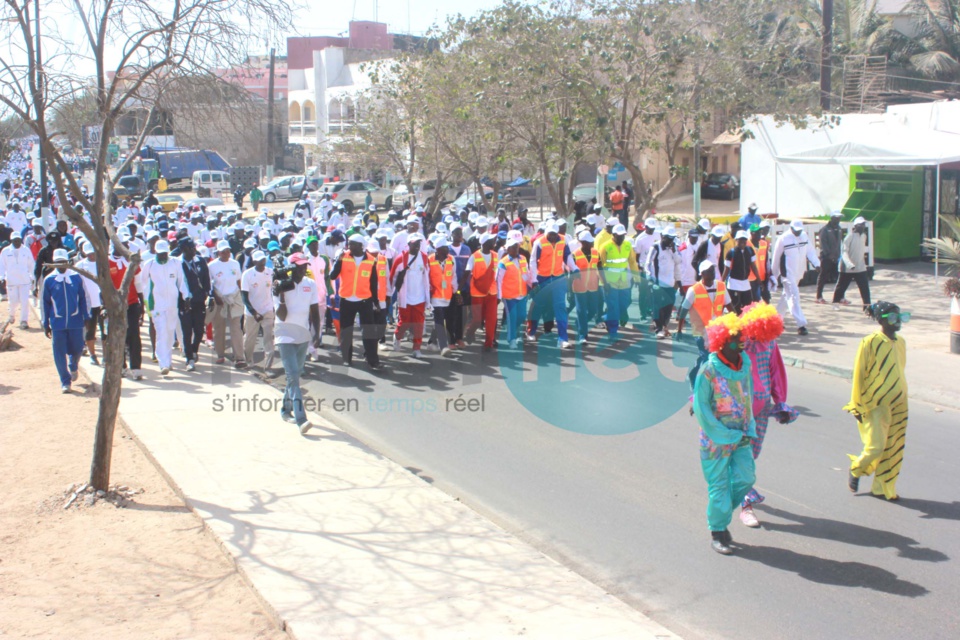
210	183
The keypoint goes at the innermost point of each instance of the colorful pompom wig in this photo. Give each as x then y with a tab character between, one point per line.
721	330
761	322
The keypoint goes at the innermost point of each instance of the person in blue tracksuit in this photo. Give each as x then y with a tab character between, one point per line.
64	313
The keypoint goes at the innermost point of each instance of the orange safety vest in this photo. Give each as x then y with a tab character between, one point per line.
589	277
514	283
381	276
761	259
441	278
355	279
706	309
485	274
550	261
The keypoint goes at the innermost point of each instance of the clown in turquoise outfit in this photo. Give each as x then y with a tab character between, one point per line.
723	405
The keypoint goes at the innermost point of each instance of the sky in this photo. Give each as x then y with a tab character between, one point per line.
402	16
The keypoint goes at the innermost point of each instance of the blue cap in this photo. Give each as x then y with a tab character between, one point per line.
273	245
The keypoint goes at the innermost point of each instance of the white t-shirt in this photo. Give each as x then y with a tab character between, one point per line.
296	328
224	276
257	286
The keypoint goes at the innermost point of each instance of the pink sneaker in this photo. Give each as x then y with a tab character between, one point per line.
748	518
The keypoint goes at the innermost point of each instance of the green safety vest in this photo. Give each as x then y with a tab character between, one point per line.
616	267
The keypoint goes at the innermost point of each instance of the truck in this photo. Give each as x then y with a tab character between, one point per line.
175	164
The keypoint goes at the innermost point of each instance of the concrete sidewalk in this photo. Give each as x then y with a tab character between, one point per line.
831	346
340	542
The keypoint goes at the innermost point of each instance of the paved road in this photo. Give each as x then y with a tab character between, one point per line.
627	511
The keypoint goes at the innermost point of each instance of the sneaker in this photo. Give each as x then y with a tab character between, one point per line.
845	302
748	518
719	544
853	482
461	344
821	301
445	351
661	334
24	326
165	371
153	357
191	365
94	361
240	365
137	375
396	343
74	375
304	427
221	360
836	306
563	344
531	337
288	417
65	389
583	341
417	354
802	331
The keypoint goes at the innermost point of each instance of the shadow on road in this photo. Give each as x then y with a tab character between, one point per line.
932	510
841	574
849	533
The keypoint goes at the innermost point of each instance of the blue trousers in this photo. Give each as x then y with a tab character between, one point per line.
516	317
67	344
553	290
293	357
729	478
702	358
588	303
617	302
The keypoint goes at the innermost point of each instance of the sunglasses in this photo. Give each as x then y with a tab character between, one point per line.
897	316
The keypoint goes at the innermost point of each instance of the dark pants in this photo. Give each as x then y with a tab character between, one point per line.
663	299
760	291
740	299
457	321
349	311
192	321
90	326
828	273
443	326
863	283
134	346
380	320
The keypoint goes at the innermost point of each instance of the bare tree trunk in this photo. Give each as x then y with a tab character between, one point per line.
113	348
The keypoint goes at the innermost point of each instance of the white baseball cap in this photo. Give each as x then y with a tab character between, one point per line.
373	246
414	237
670	232
162	247
859	220
441	242
485	237
61	255
717	231
258	256
704	224
585	236
797	224
836	214
223	245
552	227
619	230
741	235
706	264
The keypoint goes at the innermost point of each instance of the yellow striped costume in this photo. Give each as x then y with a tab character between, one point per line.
879	396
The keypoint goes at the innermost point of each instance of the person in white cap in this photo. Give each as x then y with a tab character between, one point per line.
92	291
739	267
550	260
378	250
514	279
830	236
359	281
443	284
163	284
481	280
688	274
642	245
64	306
586	284
319	267
228	305
17	267
663	270
853	265
256	291
618	271
794	249
705	300
411	281
710	249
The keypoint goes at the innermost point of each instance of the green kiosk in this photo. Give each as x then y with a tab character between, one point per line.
893	200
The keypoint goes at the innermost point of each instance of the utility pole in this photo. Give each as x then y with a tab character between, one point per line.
826	52
270	153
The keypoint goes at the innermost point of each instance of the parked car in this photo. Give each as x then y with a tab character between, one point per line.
169	201
354	194
207	183
723	186
285	188
130	186
471	195
425	193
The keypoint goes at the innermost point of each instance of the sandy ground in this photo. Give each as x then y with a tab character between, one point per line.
145	571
